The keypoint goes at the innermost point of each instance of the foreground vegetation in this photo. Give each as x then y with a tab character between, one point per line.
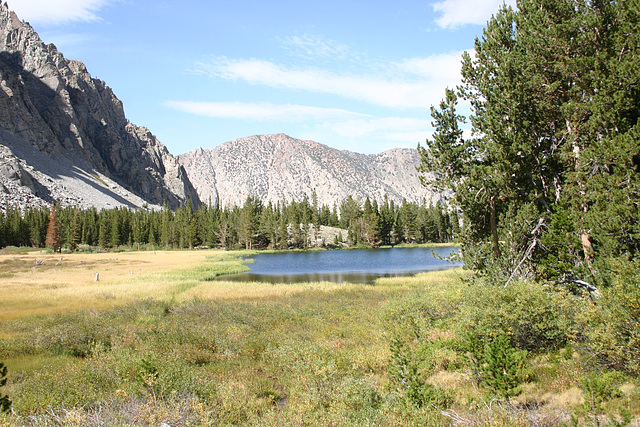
167	344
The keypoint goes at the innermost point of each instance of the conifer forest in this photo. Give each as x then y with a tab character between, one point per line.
253	225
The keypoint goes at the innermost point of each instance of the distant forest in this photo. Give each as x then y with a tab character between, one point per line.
254	225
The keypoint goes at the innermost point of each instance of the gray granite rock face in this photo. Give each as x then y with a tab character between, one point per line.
65	136
278	167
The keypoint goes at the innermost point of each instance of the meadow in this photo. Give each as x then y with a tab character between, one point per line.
157	340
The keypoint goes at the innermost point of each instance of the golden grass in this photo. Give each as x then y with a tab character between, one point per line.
436	277
66	282
255	290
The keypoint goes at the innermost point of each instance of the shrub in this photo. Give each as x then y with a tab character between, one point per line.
403	368
612	324
14	250
533	316
5	403
439	355
503	367
358	397
600	387
147	377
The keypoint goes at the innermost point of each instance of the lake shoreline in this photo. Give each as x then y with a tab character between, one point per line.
352	265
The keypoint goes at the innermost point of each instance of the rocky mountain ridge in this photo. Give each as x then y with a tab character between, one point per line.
278	167
64	135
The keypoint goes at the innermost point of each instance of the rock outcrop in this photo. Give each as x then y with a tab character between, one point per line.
278	167
64	135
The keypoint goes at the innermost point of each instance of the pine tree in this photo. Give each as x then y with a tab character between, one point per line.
503	366
140	227
350	218
53	234
36	220
555	121
104	228
315	218
429	228
268	225
167	227
74	229
90	227
386	221
3	232
282	237
116	229
250	221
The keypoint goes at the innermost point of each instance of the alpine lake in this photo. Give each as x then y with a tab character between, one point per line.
338	266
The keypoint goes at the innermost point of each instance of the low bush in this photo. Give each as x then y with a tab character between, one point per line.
611	324
5	403
535	317
503	367
405	370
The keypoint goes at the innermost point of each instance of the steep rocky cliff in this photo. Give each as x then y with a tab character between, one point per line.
278	167
64	135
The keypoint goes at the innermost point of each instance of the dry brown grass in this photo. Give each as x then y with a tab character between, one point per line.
221	289
66	282
426	279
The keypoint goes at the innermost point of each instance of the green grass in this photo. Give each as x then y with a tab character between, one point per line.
172	346
242	359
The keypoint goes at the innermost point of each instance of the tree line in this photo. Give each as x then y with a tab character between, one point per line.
255	224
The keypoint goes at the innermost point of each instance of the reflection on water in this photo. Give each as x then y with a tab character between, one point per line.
355	266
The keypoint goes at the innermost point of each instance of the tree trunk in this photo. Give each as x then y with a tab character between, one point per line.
587	247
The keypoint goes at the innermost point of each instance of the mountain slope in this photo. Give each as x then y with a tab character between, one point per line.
278	167
64	135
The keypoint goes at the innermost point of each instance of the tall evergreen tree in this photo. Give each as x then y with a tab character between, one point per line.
386	221
250	221
315	217
36	220
53	234
555	139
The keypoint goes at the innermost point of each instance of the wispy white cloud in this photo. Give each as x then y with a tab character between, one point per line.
324	124
402	85
412	83
370	126
435	68
456	13
261	111
313	47
58	11
380	132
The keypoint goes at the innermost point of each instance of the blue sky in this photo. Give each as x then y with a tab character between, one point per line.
352	74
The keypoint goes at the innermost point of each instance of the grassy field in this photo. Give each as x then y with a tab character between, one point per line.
36	283
155	340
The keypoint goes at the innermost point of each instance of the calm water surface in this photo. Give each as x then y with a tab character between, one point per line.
356	266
